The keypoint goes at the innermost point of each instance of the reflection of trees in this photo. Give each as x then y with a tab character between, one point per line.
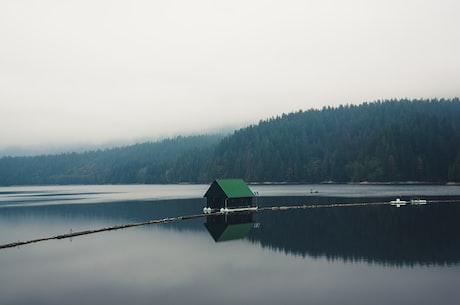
116	213
382	234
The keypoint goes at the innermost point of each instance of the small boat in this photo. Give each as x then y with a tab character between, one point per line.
417	201
398	202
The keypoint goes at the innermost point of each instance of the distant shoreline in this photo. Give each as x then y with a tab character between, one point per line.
356	183
258	183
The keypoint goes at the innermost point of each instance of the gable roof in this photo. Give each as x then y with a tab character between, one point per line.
233	188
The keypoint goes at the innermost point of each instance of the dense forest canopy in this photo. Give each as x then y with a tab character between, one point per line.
141	163
383	141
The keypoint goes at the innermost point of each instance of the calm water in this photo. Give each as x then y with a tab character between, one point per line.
346	255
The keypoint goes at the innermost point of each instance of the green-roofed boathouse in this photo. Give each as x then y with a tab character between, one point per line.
229	194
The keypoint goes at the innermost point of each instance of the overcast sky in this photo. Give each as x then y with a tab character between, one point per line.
106	70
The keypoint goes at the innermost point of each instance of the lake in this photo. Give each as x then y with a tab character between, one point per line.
369	254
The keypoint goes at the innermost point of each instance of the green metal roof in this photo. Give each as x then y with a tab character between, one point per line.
234	188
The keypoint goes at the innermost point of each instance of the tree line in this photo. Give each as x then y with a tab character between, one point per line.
396	140
382	141
147	162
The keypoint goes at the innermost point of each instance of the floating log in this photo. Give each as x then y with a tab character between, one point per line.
86	232
170	219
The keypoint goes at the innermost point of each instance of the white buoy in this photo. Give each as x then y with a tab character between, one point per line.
207	210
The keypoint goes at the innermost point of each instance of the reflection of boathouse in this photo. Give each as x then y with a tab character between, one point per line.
229	194
229	226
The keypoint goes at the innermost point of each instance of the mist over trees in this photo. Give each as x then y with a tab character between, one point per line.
141	163
383	141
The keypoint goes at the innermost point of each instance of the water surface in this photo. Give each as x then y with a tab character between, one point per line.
354	255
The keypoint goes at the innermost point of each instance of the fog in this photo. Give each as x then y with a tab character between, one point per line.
102	71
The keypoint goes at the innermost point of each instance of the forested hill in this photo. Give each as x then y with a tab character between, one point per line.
377	142
382	141
141	163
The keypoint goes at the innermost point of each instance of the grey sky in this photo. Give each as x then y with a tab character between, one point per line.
102	70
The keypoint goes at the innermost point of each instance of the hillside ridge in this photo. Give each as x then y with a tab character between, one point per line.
378	142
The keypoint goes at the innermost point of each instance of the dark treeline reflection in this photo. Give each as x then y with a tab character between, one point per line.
380	234
114	213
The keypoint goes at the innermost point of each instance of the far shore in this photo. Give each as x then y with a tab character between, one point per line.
356	183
